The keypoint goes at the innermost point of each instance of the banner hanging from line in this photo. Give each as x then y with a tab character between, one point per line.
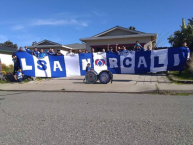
75	65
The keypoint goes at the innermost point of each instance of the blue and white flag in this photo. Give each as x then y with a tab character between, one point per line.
75	64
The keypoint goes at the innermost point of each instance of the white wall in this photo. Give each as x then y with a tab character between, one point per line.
6	59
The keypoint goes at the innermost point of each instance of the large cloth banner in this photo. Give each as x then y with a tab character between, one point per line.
75	65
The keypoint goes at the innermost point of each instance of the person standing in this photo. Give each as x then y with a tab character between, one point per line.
137	44
16	64
36	52
41	54
92	50
79	51
148	48
124	51
187	51
69	52
58	52
111	49
50	51
20	76
88	67
21	49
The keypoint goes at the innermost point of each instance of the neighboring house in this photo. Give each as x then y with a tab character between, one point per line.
6	54
46	44
121	36
77	46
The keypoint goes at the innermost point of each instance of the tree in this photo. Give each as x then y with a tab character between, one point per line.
34	43
9	44
131	28
185	34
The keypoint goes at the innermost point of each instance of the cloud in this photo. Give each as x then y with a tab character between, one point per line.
69	15
99	14
53	22
17	27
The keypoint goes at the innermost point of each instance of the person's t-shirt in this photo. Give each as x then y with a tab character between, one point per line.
138	44
16	62
139	50
109	51
88	68
59	53
120	50
124	52
187	53
69	53
19	75
36	53
50	53
41	55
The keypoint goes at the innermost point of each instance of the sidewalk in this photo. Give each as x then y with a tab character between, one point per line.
122	83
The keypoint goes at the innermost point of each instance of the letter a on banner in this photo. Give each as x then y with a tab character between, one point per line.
57	65
142	62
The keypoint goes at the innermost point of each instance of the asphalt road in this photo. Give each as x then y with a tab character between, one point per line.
93	119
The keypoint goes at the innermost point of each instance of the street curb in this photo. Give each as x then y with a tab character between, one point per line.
142	92
64	91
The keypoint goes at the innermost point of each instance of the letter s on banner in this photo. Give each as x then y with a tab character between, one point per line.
24	65
41	65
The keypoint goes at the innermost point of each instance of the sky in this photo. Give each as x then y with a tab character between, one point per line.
66	21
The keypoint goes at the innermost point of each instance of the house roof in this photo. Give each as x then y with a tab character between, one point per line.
7	49
134	34
118	27
77	46
49	44
47	41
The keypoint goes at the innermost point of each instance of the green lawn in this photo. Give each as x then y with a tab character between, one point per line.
185	75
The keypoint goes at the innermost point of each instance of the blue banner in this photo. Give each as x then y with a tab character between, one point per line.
75	64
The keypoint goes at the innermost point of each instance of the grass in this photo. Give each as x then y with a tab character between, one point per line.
3	81
185	75
176	82
39	79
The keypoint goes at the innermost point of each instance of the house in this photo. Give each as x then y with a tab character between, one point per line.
6	54
121	36
77	46
46	44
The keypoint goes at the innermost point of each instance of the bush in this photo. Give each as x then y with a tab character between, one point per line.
7	68
190	65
